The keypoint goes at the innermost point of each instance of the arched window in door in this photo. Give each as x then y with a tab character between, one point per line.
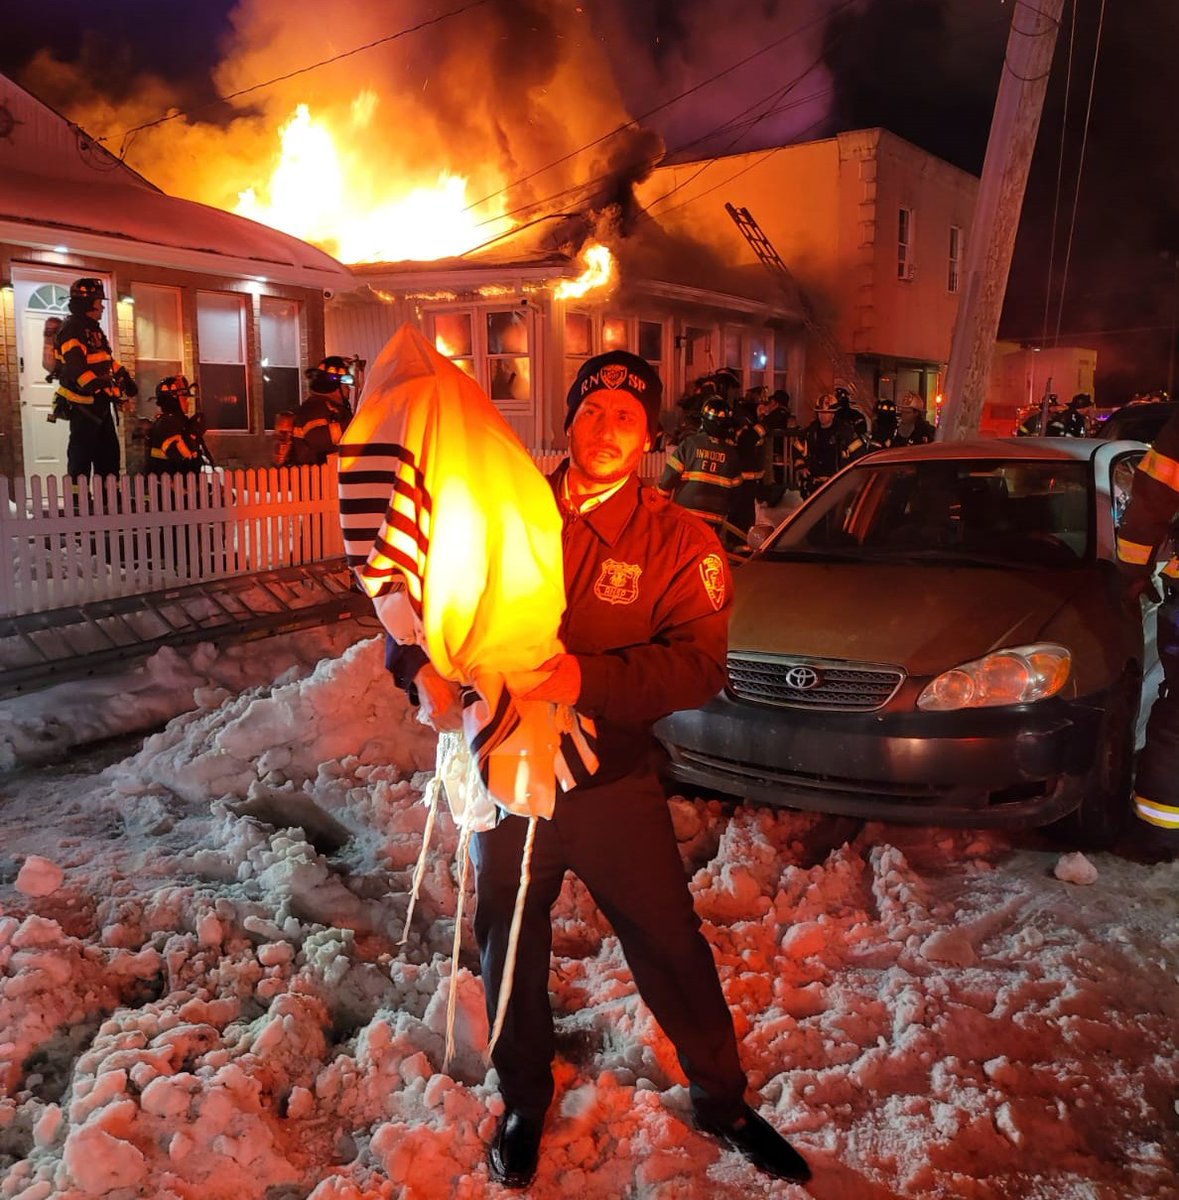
50	298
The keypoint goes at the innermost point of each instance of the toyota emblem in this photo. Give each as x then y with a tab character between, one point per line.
802	679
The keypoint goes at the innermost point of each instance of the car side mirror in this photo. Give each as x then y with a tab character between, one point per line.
756	537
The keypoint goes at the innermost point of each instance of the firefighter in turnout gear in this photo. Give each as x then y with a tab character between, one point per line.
826	445
1076	417
884	424
704	471
1145	528
322	418
912	427
91	384
849	414
648	595
173	441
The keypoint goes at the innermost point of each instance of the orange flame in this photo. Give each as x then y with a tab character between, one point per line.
311	194
599	272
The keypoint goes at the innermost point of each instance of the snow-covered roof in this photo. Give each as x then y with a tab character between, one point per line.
61	188
115	220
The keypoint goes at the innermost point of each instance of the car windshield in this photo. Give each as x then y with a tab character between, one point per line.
1020	513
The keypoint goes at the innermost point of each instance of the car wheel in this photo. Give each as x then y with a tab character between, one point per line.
1105	803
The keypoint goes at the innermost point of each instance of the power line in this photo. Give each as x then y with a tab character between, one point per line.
1068	83
1080	169
634	122
323	62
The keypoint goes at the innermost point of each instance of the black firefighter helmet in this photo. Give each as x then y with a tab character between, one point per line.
715	418
329	374
84	294
170	392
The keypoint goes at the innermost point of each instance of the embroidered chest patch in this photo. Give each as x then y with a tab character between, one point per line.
618	583
712	572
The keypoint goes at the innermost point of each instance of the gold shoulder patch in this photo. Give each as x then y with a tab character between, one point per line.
712	572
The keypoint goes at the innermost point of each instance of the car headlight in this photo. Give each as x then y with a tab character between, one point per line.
1017	675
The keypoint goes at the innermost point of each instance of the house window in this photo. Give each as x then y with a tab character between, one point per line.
221	365
615	334
732	346
280	358
579	343
509	369
651	342
158	341
758	360
905	244
955	258
454	337
781	363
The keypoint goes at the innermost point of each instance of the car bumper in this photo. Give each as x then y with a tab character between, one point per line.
1004	768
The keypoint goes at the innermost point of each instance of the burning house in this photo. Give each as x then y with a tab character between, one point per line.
522	318
234	305
485	176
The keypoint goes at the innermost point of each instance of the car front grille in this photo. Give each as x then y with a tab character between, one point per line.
816	683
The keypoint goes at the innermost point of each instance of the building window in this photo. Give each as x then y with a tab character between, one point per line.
759	360
732	354
952	276
509	369
280	358
651	342
221	365
615	334
454	337
781	363
579	343
158	341
905	244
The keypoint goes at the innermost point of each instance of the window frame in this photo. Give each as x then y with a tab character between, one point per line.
264	359
149	371
905	239
243	363
954	264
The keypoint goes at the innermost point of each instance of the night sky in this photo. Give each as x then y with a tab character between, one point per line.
926	69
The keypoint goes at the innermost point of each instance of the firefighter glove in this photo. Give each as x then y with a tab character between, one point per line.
1138	582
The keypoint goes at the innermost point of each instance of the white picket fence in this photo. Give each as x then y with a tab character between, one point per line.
63	545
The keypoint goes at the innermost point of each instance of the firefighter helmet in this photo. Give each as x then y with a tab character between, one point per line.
714	417
914	401
1081	400
329	374
173	385
85	294
170	392
87	289
843	397
885	406
827	402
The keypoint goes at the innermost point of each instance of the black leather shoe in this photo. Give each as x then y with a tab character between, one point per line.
762	1144
515	1149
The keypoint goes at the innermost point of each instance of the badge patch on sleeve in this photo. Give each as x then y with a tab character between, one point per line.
618	583
712	571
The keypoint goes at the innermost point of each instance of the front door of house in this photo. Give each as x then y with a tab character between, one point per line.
41	296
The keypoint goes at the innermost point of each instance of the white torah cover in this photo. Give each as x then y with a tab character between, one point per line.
455	534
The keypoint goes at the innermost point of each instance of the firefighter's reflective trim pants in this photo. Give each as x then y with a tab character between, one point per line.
619	840
1156	785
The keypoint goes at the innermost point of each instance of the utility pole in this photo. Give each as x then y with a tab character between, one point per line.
1020	100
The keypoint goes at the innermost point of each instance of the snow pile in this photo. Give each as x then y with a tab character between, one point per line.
213	1002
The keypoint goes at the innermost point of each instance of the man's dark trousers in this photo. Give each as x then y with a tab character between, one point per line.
619	840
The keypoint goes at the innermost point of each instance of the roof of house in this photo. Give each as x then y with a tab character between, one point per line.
62	188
